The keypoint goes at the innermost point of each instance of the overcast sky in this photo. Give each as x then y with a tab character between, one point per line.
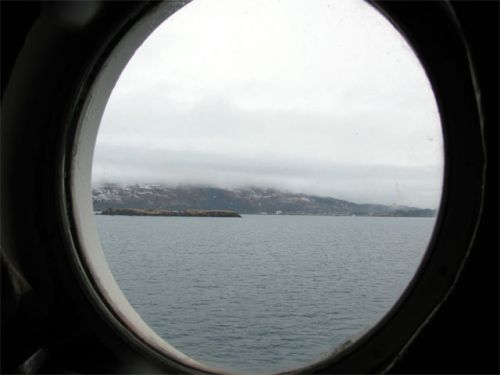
322	97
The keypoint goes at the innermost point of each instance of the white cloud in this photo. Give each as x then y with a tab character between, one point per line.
323	97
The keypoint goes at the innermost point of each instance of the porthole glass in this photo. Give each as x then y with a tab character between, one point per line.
266	178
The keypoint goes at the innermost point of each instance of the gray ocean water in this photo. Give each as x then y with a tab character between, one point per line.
262	293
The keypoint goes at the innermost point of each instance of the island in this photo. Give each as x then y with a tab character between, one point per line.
245	200
162	212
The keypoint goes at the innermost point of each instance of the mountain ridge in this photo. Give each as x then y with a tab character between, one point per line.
251	200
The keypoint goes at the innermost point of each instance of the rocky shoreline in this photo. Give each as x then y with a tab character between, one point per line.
161	212
251	200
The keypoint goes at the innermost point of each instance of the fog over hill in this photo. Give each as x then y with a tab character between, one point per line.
316	97
250	200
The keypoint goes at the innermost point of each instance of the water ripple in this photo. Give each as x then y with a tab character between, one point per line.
262	293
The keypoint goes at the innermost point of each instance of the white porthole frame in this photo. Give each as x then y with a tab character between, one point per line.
435	276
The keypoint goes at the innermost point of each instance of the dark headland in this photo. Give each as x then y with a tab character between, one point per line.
160	212
176	201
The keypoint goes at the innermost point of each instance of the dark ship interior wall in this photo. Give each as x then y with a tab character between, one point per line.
462	337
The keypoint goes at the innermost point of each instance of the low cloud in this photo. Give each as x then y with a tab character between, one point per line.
337	107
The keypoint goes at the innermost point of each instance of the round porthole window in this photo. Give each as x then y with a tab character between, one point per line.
265	180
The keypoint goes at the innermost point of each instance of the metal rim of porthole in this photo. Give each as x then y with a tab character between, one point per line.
443	54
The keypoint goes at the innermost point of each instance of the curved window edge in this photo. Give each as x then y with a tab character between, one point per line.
436	268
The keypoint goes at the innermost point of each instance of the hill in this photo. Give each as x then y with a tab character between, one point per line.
251	200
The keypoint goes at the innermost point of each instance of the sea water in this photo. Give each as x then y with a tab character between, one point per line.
262	293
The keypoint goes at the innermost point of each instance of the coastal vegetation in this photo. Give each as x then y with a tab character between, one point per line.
160	212
162	200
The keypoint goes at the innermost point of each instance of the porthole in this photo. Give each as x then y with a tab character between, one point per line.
285	125
101	285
